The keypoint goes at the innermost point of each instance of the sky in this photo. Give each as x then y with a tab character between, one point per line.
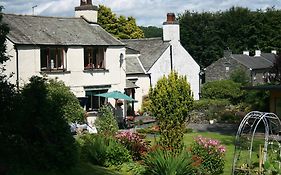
146	12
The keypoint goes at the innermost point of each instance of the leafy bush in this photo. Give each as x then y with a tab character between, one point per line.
171	100
222	89
208	155
240	76
46	141
61	95
106	122
117	154
257	100
103	150
162	162
93	148
145	105
9	125
134	142
204	104
131	168
155	130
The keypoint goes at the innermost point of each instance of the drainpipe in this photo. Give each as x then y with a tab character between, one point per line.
251	75
150	82
171	57
17	67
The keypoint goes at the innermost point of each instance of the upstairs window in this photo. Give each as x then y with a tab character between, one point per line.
94	58
52	59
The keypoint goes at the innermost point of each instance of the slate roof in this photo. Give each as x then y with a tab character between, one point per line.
42	30
256	62
130	85
269	56
133	66
150	49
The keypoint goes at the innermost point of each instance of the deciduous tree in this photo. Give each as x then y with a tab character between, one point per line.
121	27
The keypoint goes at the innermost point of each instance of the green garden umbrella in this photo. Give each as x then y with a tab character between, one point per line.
116	95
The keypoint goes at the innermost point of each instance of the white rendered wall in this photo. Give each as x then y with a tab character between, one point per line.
143	83
171	32
89	15
161	67
28	62
75	77
183	63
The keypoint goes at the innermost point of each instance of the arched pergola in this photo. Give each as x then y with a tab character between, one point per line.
258	133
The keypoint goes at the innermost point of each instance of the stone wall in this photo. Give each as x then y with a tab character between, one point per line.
222	69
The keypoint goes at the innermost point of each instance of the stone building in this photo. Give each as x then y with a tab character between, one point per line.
257	67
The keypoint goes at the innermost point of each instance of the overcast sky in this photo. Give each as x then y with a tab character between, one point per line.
146	12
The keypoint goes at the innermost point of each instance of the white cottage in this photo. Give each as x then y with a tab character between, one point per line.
75	50
150	59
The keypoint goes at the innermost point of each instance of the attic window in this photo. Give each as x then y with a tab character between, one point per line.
94	58
52	58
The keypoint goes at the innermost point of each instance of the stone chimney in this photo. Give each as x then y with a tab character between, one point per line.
87	10
171	28
246	52
257	53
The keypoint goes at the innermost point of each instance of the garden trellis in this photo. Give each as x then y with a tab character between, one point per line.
257	141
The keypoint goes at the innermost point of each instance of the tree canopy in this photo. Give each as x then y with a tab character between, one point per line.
4	30
121	27
207	34
152	31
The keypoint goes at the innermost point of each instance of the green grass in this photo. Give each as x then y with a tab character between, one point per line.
226	140
81	169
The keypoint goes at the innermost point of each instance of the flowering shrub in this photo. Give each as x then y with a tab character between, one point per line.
208	155
134	142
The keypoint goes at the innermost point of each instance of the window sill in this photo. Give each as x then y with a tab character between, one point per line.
55	71
95	70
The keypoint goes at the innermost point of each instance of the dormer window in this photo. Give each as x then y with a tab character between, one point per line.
94	57
52	58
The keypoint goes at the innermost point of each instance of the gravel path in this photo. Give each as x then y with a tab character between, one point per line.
221	128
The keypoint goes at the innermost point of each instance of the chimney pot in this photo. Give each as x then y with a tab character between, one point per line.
246	52
257	53
86	2
171	18
274	52
171	28
227	53
87	10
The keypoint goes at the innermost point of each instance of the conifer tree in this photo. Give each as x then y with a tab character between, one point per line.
171	99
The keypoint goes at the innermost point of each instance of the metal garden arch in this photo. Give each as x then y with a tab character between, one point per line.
256	127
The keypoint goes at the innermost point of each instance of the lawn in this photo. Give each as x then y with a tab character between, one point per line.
81	169
226	140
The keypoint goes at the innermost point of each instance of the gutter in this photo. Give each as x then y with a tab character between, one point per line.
171	56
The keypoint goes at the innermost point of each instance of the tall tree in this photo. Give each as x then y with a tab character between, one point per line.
152	31
121	27
4	30
205	35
